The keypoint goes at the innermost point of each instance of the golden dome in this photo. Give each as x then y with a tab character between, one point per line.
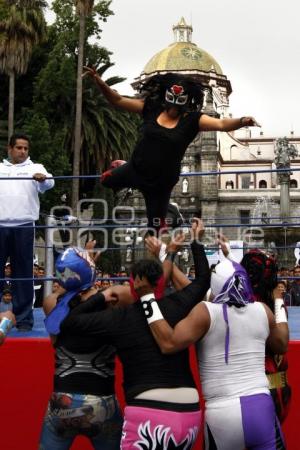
182	56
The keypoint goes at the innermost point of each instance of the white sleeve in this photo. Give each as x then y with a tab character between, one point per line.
47	184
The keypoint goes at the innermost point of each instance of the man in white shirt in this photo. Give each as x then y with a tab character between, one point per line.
20	206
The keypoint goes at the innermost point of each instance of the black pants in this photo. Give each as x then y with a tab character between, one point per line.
156	197
17	244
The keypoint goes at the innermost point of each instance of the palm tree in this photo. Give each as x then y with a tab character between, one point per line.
106	133
83	9
23	27
3	132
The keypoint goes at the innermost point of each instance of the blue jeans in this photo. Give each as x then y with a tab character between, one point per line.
17	244
71	415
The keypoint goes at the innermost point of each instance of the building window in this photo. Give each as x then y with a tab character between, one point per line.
232	148
245	181
245	217
262	184
293	184
229	185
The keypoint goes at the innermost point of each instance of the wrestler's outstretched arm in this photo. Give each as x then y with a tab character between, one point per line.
207	123
112	96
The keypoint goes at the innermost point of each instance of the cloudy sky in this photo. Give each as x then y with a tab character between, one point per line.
256	43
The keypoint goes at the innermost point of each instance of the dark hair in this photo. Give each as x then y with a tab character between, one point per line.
155	89
262	270
14	137
6	291
148	268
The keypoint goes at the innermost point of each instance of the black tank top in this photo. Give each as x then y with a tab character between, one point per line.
159	150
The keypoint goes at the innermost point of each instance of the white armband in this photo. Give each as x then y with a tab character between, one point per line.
151	308
280	313
162	252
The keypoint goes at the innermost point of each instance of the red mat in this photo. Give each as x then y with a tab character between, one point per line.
26	367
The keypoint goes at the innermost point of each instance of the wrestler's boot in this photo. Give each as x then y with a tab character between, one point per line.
117	163
120	195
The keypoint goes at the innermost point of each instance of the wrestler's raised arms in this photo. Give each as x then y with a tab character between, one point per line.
112	96
207	123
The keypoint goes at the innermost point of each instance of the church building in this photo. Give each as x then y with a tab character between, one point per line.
230	198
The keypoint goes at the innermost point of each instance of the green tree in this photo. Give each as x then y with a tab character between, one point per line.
105	132
22	26
47	148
